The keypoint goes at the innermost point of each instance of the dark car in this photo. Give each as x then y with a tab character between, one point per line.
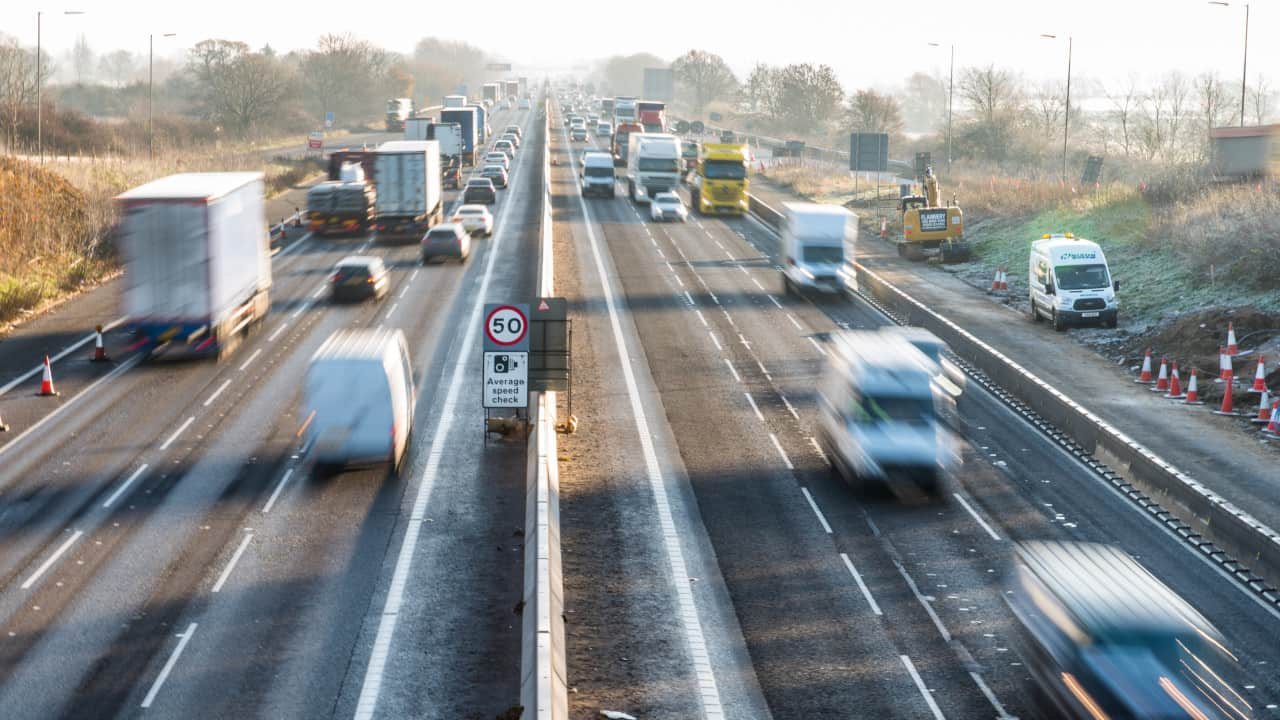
357	277
452	176
480	190
446	240
496	174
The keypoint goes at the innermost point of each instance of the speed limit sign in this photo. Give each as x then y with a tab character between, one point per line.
506	327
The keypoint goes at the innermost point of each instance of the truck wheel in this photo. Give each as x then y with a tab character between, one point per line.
1058	324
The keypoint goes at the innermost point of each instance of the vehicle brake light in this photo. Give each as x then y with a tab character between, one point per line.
335	277
369	280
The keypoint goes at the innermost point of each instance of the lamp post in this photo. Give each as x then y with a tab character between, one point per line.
1066	120
951	91
1244	73
40	85
151	51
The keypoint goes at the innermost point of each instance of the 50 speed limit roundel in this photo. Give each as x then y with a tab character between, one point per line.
506	325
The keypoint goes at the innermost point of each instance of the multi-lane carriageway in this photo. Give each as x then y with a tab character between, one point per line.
164	552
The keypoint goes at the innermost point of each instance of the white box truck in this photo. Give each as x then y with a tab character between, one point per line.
449	135
197	261
653	165
410	198
455	101
818	243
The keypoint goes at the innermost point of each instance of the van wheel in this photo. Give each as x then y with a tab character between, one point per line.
1112	322
1033	315
1058	324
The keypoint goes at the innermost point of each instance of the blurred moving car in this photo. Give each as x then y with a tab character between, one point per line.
479	190
358	400
446	240
475	219
496	173
668	206
358	277
1104	638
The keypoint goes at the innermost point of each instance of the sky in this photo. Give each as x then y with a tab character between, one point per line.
869	44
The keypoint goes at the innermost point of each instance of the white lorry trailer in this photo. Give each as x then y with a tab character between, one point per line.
410	197
653	165
197	261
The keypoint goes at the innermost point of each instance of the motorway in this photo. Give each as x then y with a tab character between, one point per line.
163	550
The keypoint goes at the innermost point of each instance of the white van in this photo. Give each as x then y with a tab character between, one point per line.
597	174
879	412
818	242
359	399
1070	283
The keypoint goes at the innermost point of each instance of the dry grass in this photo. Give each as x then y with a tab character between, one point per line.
1233	229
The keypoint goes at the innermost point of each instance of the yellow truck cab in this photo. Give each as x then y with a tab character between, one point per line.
720	182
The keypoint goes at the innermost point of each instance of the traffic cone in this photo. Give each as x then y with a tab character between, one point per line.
1175	384
46	382
3	427
884	228
1231	339
995	282
1145	377
1004	278
1162	381
1264	409
1225	372
99	352
1273	427
1260	377
1227	407
1193	395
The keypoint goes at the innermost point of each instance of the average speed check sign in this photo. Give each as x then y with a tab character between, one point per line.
506	327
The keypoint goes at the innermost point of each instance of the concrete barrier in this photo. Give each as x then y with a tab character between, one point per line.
1242	544
543	690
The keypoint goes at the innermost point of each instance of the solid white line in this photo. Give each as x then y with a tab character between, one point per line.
124	486
48	563
754	407
61	354
276	493
937	621
303	308
819	347
177	432
861	585
975	515
216	393
991	697
795	322
703	319
391	310
790	409
687	608
272	337
250	360
714	340
168	666
821	518
735	372
381	651
87	392
235	558
924	691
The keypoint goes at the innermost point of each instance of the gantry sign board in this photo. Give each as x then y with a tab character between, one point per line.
506	355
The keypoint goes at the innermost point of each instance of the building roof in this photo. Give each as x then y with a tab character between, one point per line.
1244	132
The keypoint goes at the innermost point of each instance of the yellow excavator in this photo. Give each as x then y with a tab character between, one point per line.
930	228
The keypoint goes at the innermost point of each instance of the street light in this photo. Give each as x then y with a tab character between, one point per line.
1066	120
151	50
1244	74
951	90
40	85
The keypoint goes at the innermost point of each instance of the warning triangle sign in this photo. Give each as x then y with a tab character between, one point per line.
543	306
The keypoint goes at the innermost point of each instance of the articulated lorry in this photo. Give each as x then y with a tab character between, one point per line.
482	125
410	199
624	110
398	110
342	206
653	165
197	261
468	120
720	180
513	88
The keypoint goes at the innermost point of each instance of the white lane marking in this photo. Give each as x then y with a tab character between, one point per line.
276	493
821	518
404	292
818	448
795	322
818	347
924	691
688	610
216	393
790	409
301	309
413	275
728	317
48	563
378	656
717	242
168	666
743	340
272	337
757	282
975	515
659	251
688	297
178	432
775	302
754	407
783	453
293	245
713	295
732	370
124	486
391	310
991	697
677	277
87	392
235	558
61	354
763	369
861	585
319	291
250	360
716	341
703	319
744	270
937	621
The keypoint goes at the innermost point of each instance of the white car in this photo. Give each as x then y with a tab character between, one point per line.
668	206
476	219
497	158
505	146
524	103
604	129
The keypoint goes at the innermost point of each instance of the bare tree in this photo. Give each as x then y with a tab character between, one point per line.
238	87
924	102
990	92
870	111
344	75
810	96
1048	105
759	93
17	85
117	67
1260	96
1124	103
707	77
82	60
1216	107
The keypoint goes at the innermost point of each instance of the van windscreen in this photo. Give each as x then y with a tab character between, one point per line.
824	254
1082	277
891	409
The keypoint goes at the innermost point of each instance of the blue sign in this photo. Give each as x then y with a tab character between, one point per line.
461	90
328	119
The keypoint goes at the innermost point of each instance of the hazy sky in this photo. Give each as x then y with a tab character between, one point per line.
869	43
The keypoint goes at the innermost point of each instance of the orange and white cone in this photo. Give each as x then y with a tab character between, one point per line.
1004	278
1227	407
1225	373
1162	381
1193	393
884	228
1231	339
1175	384
1264	409
1260	377
995	282
1273	427
99	351
1145	377
46	382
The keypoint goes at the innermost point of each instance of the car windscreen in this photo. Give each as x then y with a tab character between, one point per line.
825	254
658	165
871	410
1082	277
723	170
345	272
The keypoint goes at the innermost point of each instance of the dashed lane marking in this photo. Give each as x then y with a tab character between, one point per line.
216	393
250	360
178	432
184	638
977	517
861	585
49	562
731	368
924	690
235	558
124	486
821	518
754	407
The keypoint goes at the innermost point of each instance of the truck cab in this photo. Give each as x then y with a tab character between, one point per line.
720	180
1070	283
653	165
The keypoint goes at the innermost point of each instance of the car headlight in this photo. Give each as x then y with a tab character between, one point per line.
805	271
